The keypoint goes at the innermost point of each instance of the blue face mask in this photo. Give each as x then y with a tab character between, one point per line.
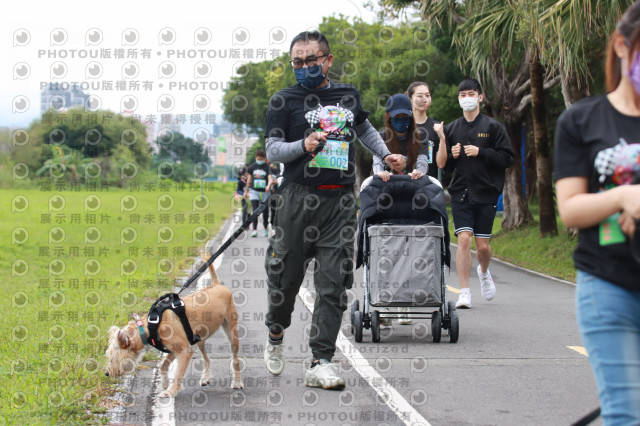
310	77
400	125
259	162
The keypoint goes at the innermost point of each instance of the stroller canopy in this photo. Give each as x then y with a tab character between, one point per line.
402	200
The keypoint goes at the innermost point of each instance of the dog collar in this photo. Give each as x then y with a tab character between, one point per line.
143	335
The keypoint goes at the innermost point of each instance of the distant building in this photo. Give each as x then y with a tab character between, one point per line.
168	121
237	146
232	143
151	135
61	99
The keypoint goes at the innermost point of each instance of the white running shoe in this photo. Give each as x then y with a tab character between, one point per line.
487	286
324	376
254	234
464	300
274	358
404	316
265	233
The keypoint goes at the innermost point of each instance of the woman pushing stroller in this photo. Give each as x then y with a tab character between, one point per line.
401	136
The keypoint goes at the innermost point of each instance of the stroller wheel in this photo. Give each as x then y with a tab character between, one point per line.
355	306
454	323
375	326
357	334
436	325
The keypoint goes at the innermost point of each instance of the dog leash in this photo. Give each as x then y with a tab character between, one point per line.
257	212
588	418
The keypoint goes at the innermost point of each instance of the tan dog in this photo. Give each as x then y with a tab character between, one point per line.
207	310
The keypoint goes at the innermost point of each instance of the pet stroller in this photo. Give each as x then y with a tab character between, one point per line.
403	243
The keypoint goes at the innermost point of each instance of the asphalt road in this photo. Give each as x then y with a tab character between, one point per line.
517	362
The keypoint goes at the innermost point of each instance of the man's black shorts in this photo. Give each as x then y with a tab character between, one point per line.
474	218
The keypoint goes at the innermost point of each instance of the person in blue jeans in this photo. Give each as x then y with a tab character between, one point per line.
596	170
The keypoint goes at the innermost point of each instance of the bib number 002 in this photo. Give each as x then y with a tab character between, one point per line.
335	155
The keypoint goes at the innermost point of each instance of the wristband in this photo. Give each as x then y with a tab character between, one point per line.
304	148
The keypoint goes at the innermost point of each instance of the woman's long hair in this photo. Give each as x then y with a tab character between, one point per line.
413	141
629	28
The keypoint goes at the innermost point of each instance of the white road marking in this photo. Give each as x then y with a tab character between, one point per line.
580	349
453	289
163	410
387	393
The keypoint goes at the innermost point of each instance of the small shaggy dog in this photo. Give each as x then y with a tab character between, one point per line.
207	310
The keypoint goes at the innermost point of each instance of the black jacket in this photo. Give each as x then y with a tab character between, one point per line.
480	178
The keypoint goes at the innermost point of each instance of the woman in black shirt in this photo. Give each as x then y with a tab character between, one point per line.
420	95
597	162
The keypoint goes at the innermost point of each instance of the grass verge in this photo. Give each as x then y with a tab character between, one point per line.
73	263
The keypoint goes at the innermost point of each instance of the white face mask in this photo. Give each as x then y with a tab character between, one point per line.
468	103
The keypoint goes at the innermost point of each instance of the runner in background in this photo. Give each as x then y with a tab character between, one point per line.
478	152
242	184
258	189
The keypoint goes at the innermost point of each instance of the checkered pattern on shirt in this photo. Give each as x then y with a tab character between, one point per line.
605	161
313	116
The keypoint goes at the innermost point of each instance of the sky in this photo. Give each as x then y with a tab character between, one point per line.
177	56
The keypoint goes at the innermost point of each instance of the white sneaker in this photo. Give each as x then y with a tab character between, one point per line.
324	376
464	300
265	233
404	317
487	287
254	234
274	358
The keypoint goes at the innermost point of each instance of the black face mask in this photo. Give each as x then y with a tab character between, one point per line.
400	125
310	77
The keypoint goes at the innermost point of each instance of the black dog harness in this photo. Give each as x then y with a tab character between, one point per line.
173	302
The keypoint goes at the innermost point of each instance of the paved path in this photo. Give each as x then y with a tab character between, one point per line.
513	364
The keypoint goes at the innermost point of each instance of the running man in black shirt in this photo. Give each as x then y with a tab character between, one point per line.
317	217
479	151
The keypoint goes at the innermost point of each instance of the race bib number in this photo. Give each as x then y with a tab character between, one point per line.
260	184
610	232
335	155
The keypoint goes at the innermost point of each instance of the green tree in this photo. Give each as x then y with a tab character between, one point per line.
181	158
484	37
246	98
180	149
557	39
514	26
575	33
92	145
